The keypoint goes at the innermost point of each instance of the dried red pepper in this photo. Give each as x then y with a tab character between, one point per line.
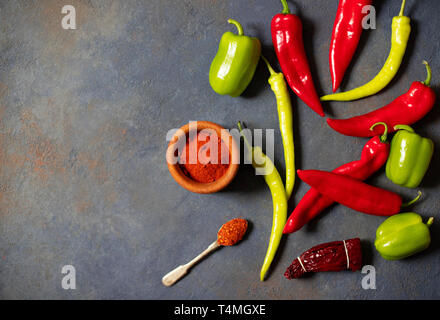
331	256
374	155
347	31
287	38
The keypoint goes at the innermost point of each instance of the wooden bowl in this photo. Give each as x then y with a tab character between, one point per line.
186	182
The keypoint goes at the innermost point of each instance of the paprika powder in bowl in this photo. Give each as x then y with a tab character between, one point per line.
203	157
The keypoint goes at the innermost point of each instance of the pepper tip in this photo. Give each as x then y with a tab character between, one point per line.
430	221
286	230
318	110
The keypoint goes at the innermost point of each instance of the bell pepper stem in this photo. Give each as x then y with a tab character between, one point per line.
286	9
402	8
383	137
403	127
430	221
427	82
238	25
407	204
269	67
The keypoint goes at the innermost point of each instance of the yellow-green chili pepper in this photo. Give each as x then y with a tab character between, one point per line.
284	106
400	31
265	166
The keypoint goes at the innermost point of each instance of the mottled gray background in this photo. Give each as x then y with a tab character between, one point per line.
83	180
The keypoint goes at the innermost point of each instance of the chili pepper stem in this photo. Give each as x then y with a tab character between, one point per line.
269	67
383	137
286	9
240	128
407	204
427	82
430	221
402	8
403	127
238	25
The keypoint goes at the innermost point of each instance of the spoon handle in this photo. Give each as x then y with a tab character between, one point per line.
175	275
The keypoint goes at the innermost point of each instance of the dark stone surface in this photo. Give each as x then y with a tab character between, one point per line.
83	180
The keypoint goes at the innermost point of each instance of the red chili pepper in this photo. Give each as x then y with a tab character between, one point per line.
374	155
406	109
347	31
287	40
330	256
353	193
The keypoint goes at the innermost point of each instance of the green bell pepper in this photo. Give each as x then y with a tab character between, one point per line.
235	62
410	155
402	235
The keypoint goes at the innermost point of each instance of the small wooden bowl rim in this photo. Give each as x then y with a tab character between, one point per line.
195	186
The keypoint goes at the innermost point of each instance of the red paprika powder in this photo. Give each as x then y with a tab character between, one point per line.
212	158
232	232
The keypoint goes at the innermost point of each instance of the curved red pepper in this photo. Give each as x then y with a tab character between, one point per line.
406	109
374	155
353	193
347	31
287	40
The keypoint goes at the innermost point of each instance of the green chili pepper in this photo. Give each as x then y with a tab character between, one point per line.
409	157
265	166
402	235
235	63
284	106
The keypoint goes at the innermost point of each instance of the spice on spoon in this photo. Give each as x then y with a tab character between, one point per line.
232	232
229	234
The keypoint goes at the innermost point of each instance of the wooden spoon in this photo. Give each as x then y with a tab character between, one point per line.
175	275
